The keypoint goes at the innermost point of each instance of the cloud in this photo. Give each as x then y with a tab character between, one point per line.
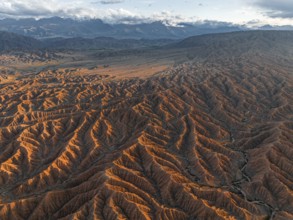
37	9
24	8
109	2
66	8
122	16
49	8
127	17
276	8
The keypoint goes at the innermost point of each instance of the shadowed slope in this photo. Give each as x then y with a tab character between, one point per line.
11	41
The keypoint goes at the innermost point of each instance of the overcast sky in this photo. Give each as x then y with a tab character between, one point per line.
253	12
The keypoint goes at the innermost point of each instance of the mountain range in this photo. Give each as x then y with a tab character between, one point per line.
69	28
11	42
266	40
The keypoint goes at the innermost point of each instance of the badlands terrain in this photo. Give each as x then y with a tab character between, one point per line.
198	129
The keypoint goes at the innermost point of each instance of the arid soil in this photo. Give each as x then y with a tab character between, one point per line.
204	139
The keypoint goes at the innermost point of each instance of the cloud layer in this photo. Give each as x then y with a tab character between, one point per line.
35	8
65	8
277	8
116	11
75	9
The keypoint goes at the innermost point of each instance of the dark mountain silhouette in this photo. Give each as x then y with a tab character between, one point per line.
11	41
69	28
203	45
238	43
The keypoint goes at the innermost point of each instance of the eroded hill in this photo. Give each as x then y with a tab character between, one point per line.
210	138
